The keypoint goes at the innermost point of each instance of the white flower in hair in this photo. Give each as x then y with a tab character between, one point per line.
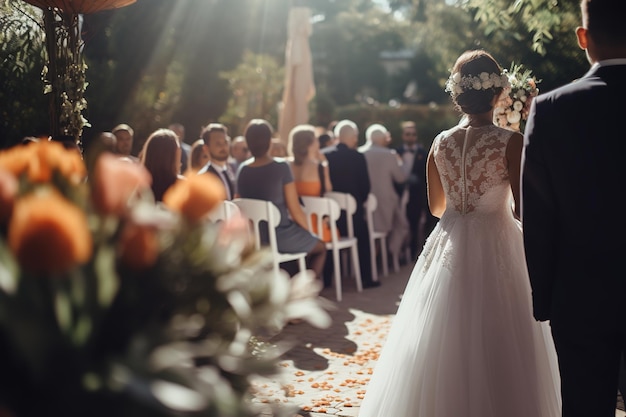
457	83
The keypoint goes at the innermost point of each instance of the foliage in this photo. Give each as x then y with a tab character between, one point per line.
255	88
541	18
159	61
346	54
112	305
64	75
22	56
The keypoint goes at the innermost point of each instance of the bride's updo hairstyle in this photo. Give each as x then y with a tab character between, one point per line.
476	79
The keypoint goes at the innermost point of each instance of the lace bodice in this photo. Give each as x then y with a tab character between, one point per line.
473	168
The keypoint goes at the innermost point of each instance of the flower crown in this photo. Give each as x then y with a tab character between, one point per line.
457	84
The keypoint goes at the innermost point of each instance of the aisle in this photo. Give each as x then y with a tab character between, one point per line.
327	371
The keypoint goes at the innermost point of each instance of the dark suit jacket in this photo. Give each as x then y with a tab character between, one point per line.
573	177
416	182
348	172
209	168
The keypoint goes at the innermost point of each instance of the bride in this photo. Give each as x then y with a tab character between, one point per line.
463	342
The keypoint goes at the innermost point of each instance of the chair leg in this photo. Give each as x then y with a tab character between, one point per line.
337	273
357	268
345	268
302	264
385	260
373	259
396	262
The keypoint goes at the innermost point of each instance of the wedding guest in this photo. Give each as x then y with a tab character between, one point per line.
265	178
239	152
179	129
325	136
278	149
107	141
161	157
124	135
309	168
413	191
573	171
385	170
325	140
348	174
464	324
199	156
216	144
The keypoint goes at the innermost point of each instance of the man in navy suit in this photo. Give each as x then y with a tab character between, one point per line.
348	174
572	180
216	142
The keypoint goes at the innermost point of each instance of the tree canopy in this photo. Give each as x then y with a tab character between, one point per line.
161	61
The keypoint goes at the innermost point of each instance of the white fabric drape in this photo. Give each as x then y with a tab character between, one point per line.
299	86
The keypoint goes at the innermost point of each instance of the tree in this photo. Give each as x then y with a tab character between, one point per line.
22	57
541	18
255	89
346	53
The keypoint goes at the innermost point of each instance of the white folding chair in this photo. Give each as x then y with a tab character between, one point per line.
223	211
324	207
346	203
258	211
371	205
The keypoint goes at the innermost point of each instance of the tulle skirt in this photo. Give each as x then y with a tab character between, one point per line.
464	341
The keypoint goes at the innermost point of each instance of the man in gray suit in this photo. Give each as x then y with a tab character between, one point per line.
384	167
572	177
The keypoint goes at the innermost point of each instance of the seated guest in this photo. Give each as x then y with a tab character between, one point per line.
239	152
124	135
278	149
217	145
199	156
108	141
385	170
161	157
309	168
349	174
264	178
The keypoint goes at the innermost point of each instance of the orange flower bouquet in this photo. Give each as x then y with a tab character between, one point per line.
113	305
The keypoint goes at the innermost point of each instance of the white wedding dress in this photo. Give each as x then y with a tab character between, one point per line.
464	341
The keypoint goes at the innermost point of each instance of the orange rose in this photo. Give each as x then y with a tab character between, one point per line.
48	234
139	246
16	160
115	181
195	196
39	160
8	190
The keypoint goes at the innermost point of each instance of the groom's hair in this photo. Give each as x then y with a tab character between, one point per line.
604	19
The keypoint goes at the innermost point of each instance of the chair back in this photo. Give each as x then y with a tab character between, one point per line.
370	207
347	203
223	211
257	212
322	207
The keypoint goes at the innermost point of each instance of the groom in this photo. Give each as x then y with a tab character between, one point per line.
573	169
